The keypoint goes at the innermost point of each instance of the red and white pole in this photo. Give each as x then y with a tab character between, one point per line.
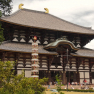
35	61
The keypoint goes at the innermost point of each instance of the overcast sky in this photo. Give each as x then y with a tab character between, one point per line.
80	12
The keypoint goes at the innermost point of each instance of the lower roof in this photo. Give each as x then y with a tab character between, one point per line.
27	48
22	47
84	52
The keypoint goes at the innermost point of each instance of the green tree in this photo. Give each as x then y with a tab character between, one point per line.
10	84
0	14
5	7
1	34
58	85
1	31
58	80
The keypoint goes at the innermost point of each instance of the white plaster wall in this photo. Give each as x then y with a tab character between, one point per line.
81	80
28	66
80	67
59	67
87	80
27	73
52	66
92	67
19	71
81	74
44	66
86	74
86	67
67	66
20	65
92	81
73	66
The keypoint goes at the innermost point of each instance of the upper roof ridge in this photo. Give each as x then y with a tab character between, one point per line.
45	21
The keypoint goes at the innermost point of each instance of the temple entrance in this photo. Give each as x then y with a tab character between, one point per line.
42	74
53	76
72	77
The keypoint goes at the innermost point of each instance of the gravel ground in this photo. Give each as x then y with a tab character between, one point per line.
65	92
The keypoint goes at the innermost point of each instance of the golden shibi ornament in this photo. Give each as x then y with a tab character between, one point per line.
20	6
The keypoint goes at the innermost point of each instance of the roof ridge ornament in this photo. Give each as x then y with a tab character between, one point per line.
47	10
20	6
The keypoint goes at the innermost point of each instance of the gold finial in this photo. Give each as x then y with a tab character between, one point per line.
20	6
47	10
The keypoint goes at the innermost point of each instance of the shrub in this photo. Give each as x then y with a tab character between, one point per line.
77	90
10	84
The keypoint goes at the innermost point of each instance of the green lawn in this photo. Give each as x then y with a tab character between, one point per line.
65	92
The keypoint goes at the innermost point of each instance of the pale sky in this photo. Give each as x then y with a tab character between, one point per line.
80	12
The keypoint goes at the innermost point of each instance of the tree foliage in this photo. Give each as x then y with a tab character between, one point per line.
1	34
58	85
5	7
58	80
10	84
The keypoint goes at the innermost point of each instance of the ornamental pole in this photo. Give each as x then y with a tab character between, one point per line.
35	62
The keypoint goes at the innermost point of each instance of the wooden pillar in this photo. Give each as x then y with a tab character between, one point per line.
70	63
11	33
24	60
64	77
3	56
40	61
49	62
27	34
49	38
83	63
90	75
49	72
17	55
77	73
42	37
64	73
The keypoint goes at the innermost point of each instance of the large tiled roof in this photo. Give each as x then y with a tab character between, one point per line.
36	19
24	48
84	53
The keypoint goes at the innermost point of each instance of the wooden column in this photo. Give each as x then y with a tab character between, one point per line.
27	35
77	73
49	72
17	55
42	37
64	72
83	63
24	60
40	61
3	56
11	33
90	66
70	63
49	62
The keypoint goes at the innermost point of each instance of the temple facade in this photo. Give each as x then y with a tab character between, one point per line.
60	46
